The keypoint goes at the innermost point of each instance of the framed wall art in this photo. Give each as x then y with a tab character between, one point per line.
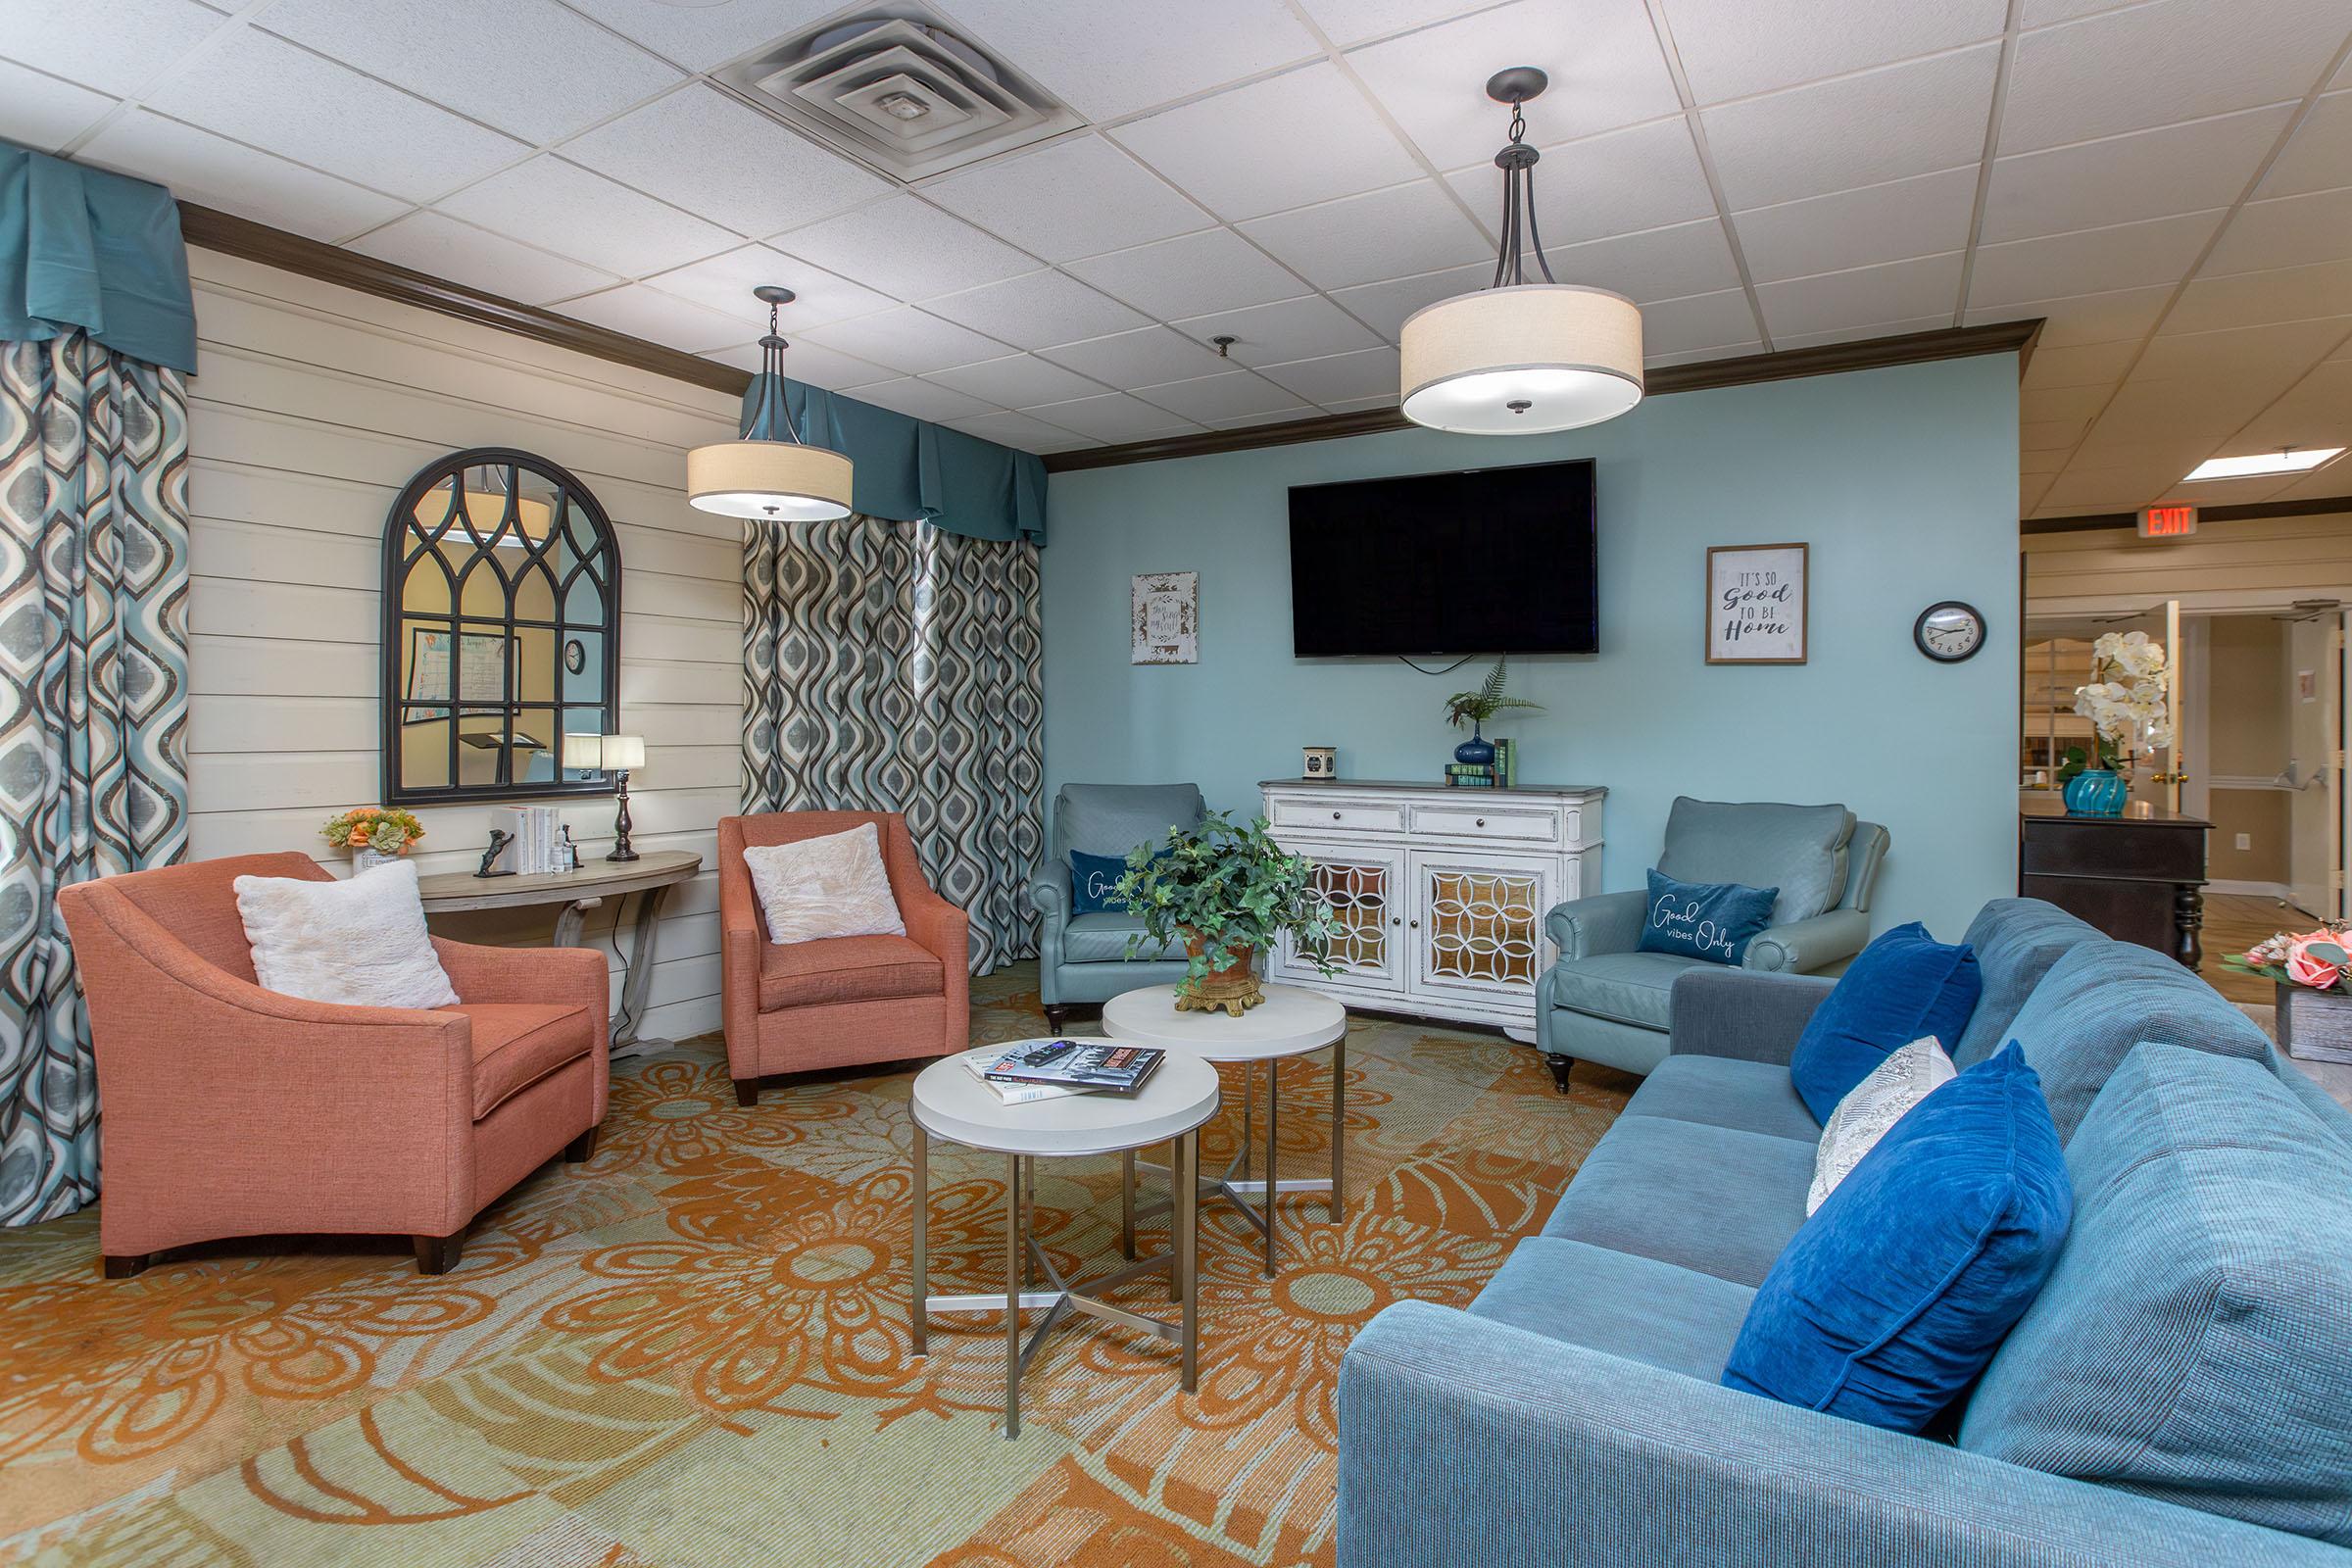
1167	618
1756	604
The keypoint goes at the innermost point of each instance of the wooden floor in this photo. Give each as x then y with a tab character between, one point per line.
2234	922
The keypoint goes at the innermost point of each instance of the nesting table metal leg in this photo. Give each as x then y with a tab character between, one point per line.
1338	1121
920	1318
1015	1208
1187	1261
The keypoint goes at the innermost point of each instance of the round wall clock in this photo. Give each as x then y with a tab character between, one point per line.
1949	632
576	655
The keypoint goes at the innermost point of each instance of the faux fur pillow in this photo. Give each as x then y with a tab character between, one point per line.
1871	1108
361	941
834	886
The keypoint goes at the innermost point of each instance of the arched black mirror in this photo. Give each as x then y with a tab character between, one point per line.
502	631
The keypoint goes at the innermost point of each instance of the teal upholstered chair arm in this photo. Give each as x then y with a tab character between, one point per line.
1468	1441
1717	1012
1804	946
1050	891
1606	922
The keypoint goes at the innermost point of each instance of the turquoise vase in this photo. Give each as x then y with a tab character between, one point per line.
1477	751
2096	791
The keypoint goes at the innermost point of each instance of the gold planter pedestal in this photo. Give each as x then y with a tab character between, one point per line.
1233	993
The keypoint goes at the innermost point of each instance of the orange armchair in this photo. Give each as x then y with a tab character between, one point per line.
231	1110
839	1000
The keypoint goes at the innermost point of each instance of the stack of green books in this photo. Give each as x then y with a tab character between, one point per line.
1499	774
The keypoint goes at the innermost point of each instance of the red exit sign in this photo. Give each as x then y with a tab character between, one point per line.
2167	522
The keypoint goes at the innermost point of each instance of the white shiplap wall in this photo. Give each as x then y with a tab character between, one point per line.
312	405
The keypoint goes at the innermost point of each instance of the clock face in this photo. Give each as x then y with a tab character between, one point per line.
1949	631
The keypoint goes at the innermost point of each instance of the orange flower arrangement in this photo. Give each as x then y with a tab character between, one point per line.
372	827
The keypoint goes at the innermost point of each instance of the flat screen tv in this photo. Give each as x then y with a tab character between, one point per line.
1493	561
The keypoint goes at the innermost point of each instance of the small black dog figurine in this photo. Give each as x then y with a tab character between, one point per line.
500	838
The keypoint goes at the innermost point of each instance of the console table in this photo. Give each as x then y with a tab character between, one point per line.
650	876
2140	877
1440	893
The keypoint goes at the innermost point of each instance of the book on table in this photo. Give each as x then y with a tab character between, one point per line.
1088	1067
985	1058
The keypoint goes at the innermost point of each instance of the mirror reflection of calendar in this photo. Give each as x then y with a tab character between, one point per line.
481	670
1167	618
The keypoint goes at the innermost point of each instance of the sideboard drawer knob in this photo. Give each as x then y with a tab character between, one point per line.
1481	821
1335	816
1416	925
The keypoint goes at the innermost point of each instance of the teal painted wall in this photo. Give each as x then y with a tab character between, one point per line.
1902	480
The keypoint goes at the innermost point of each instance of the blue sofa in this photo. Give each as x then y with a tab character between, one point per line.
1573	1414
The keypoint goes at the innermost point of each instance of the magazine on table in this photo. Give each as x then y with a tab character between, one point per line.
1082	1065
980	1061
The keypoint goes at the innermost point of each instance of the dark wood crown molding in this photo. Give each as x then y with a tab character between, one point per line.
1829	359
216	230
2247	511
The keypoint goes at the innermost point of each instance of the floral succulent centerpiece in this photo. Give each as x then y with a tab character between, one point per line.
2313	971
2128	704
373	834
1474	707
1225	891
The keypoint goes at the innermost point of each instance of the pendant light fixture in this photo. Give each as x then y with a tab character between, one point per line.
1519	358
771	473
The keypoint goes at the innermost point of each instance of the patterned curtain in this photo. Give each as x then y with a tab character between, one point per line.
93	713
891	667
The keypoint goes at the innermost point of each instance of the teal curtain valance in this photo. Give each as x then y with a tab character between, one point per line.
910	469
84	250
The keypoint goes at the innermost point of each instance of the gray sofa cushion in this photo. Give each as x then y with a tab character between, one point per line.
1636	988
1616	1302
1749	1096
1709	1198
1102	937
1113	818
2017	940
1801	850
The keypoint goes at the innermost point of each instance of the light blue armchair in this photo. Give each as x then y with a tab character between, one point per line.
1605	1001
1083	957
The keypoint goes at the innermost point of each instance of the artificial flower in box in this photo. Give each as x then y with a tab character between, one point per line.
2313	973
373	834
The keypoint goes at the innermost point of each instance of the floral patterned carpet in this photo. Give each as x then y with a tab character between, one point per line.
693	1350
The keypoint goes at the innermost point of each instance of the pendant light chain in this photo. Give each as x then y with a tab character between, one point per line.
1517	160
771	386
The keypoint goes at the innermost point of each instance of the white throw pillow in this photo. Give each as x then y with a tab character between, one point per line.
1873	1106
834	886
361	941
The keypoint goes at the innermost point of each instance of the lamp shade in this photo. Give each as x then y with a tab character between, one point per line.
613	754
485	512
778	482
1522	358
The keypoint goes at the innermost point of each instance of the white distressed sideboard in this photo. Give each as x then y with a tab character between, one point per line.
1440	893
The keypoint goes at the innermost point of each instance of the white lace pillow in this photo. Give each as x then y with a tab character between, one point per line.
361	941
1873	1106
834	886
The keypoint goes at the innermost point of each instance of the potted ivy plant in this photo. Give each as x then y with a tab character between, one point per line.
1225	891
1474	707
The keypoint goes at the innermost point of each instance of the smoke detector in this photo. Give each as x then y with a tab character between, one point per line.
898	88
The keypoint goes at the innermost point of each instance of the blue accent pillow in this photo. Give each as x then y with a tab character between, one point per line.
1899	1289
1905	985
1091	877
1711	921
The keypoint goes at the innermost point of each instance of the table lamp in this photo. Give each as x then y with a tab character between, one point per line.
615	755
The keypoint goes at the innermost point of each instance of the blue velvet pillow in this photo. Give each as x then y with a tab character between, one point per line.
1091	877
1905	985
1711	921
1899	1289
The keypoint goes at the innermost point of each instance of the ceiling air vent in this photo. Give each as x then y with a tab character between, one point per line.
900	90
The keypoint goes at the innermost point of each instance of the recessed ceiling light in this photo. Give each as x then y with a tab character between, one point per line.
2286	460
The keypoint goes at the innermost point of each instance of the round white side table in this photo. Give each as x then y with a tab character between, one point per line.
1290	1022
949	1101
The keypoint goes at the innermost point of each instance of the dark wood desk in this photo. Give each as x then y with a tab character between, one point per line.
2140	877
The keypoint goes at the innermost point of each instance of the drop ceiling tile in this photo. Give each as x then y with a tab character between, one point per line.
2156	64
657	318
1116	416
1238	421
811	363
2040	464
1383	306
2098	490
1340	378
1022	433
2117	316
1888	222
1386	400
1235	394
2279	353
267	93
724	283
215	172
2123	256
2252	299
1659	264
1243	153
1602	55
1137	358
2225	492
1729	351
905	247
42	112
2289	231
2088	364
588	218
1737	48
923	400
2052	403
116	46
1715	321
1898	291
2320	155
1079	196
1361	239
1037	309
1856	334
1018	381
1122	56
907	340
705	152
443	247
2121	179
1350	22
1645	176
1215	269
490	61
2030	491
1275	334
701	35
2149	411
1883	125
2316	412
